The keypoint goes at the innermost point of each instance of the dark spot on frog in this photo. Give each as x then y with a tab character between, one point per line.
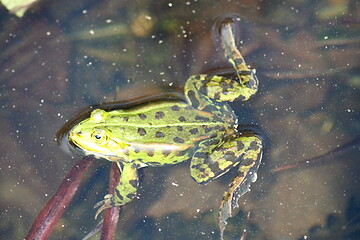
178	140
118	194
208	129
217	95
225	89
136	150
195	166
175	108
237	60
194	131
210	108
230	156
159	115
126	119
254	145
192	97
241	98
203	88
182	119
203	119
214	135
142	116
215	168
150	152
247	162
188	107
212	142
251	83
240	145
141	131
134	183
180	128
202	155
166	153
159	134
130	196
222	129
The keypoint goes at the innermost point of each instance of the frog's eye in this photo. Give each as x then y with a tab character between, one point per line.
99	136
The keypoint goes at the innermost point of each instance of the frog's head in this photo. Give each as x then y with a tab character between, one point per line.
92	137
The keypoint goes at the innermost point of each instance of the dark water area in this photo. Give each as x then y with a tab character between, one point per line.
63	56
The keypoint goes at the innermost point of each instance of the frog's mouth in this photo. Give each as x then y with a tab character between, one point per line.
80	143
67	145
70	146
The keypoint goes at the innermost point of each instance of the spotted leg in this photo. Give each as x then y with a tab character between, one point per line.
240	184
209	163
244	150
124	192
200	89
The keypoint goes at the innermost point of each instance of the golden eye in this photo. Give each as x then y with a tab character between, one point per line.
99	136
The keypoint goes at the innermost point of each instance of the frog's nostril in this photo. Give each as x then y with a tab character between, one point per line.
79	133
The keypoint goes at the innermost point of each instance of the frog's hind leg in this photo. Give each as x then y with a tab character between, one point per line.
124	192
243	149
240	184
200	89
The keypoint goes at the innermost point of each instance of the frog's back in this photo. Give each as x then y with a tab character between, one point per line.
167	122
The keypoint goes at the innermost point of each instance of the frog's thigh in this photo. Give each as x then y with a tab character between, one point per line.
207	165
125	191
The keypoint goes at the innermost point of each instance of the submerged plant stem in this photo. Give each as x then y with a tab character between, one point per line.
303	163
45	222
111	216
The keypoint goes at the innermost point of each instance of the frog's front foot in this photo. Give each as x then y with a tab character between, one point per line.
104	204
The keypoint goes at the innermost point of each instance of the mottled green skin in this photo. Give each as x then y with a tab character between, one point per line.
202	129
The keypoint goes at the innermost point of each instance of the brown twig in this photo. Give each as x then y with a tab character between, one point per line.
45	222
111	216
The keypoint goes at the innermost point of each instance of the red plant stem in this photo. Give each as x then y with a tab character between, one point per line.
45	222
111	216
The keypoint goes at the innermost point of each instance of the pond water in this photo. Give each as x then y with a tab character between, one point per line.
63	56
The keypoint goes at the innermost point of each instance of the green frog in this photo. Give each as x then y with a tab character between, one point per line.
202	129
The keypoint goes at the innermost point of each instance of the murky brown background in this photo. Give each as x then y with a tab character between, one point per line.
65	55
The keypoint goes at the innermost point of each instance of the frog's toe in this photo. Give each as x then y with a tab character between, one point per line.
104	204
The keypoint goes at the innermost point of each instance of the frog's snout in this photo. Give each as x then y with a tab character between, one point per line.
75	134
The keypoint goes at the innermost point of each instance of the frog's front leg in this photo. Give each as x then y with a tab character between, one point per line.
124	192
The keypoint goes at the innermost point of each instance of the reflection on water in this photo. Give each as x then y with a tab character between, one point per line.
64	56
